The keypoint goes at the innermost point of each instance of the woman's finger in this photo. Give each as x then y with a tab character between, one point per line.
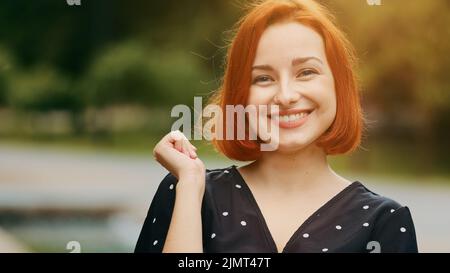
192	149
179	141
172	137
186	148
178	145
178	138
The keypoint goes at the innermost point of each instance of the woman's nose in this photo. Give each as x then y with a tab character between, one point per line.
286	95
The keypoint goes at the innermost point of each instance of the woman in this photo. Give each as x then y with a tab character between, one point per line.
288	54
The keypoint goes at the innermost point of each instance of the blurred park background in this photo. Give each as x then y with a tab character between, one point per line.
86	91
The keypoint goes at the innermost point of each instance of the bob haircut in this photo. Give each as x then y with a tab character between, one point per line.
344	134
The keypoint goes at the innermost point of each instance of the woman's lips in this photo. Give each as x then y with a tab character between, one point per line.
292	118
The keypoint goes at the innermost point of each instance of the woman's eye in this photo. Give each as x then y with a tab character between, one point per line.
306	73
262	79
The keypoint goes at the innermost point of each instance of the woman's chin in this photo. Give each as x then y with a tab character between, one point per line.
290	143
291	146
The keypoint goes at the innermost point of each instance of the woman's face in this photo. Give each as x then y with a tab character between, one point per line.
291	71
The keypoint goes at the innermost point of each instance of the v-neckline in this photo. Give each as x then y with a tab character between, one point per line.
302	226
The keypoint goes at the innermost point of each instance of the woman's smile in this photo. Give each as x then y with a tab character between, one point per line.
292	118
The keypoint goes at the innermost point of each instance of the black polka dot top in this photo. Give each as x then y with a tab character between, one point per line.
354	220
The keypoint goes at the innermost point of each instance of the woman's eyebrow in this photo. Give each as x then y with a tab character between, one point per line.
263	67
301	60
295	62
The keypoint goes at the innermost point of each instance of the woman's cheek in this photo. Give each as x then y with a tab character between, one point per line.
254	96
259	96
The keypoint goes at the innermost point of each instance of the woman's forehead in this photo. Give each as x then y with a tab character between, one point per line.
287	41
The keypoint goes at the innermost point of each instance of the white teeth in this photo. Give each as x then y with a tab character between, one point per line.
290	118
293	117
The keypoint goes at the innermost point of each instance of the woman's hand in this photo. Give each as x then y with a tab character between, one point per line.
178	156
175	153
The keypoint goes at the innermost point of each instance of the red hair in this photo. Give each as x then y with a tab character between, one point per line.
344	135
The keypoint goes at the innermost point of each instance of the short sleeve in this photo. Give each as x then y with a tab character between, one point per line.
156	224
395	232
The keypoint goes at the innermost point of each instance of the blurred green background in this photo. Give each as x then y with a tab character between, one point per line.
106	73
102	77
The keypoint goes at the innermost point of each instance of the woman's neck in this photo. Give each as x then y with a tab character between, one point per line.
301	170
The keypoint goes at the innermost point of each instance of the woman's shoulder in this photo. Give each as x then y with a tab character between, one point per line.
380	208
393	226
372	199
